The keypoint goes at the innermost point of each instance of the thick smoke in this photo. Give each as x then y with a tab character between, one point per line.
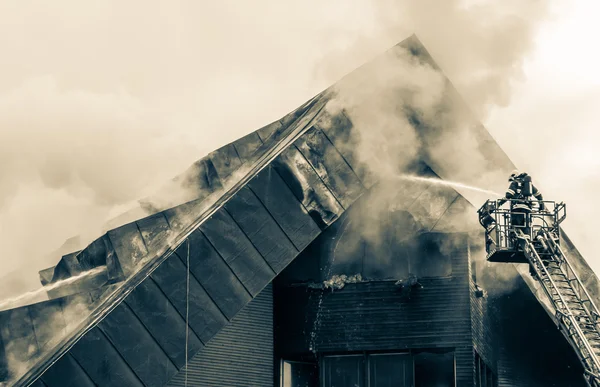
73	159
405	110
397	104
111	102
102	103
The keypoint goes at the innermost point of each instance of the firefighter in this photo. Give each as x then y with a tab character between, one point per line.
520	191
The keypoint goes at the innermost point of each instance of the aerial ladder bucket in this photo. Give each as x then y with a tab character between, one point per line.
537	242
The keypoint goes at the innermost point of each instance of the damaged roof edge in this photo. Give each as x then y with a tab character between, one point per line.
146	206
126	287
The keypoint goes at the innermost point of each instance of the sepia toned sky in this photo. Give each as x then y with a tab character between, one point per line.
551	127
101	102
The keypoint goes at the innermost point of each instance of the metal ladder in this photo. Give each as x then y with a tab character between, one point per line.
576	315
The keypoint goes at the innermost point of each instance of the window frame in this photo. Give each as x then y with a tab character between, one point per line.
322	368
375	354
367	355
282	374
484	375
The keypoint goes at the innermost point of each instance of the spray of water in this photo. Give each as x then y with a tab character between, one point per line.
11	301
446	183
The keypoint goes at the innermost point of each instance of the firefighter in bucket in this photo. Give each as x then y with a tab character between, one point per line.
522	193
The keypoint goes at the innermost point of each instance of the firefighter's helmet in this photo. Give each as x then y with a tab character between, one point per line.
514	174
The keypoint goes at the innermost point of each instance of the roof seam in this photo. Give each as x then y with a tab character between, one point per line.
249	240
110	342
227	264
80	366
273	218
171	303
342	156
203	288
333	195
149	333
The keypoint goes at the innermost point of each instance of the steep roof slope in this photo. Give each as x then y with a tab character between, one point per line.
240	215
138	260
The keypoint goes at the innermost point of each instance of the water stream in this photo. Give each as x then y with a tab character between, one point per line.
446	183
10	301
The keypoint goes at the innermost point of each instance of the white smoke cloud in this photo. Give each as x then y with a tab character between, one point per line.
99	103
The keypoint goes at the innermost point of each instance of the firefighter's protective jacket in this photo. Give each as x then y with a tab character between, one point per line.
517	191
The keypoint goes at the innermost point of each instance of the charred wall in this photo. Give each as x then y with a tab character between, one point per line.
378	315
482	322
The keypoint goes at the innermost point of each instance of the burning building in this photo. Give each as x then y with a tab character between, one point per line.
318	250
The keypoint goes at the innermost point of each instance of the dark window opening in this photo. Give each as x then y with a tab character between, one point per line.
344	371
484	376
391	370
299	374
434	369
426	369
428	259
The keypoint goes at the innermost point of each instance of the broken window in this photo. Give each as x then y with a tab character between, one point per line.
299	374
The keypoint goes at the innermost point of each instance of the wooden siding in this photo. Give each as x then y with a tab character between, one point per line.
377	316
241	354
531	351
480	321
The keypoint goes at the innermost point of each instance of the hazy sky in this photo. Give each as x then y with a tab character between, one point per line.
551	126
102	101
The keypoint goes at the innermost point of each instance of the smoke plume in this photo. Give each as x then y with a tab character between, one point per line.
404	110
100	104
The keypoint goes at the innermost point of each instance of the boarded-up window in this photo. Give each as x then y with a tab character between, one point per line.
395	370
299	374
344	371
